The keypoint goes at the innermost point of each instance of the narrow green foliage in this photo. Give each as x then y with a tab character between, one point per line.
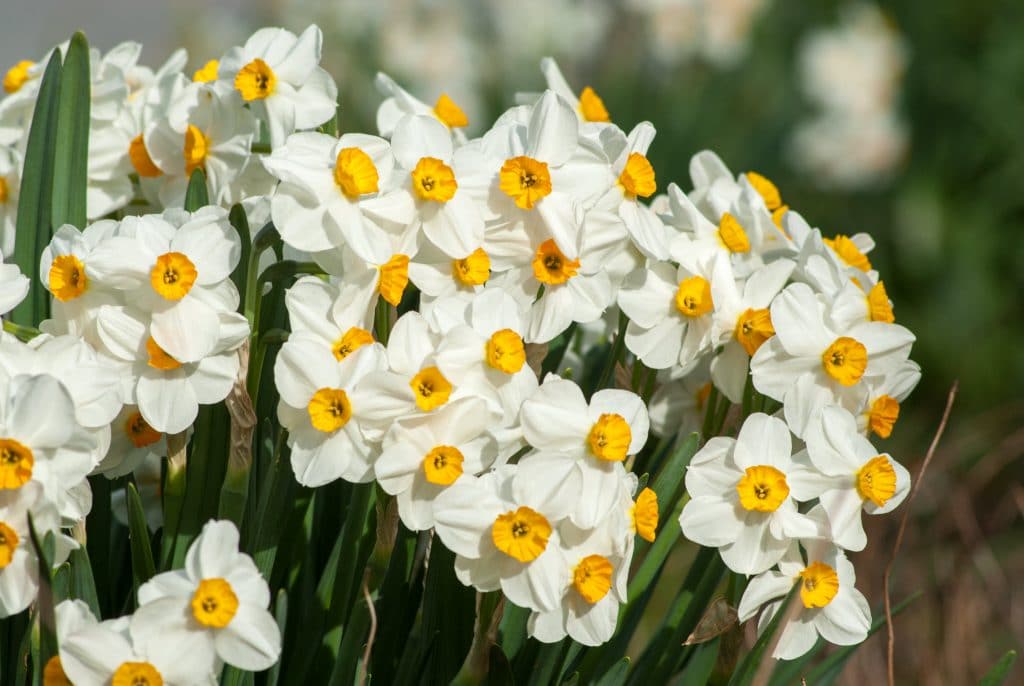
34	225
747	667
143	567
1000	670
241	224
196	195
71	150
82	584
47	623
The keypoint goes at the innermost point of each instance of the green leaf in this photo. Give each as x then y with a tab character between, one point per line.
747	667
97	528
670	477
701	664
616	675
82	585
44	598
34	228
196	195
241	223
143	567
999	671
71	152
286	269
281	616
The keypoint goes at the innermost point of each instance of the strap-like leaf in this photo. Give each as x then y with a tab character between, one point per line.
196	195
71	151
143	567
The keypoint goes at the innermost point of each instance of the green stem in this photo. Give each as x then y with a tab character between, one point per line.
709	414
23	333
618	346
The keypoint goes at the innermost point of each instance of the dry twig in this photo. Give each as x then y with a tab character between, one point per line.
891	657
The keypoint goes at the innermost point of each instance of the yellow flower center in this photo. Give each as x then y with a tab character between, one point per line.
521	534
525	180
473	269
432	179
67	277
394	277
430	389
214	603
610	437
197	147
3	190
732	234
693	298
848	252
207	73
8	544
766	189
355	173
173	275
255	81
350	341
139	431
53	673
16	76
879	307
637	178
16	462
845	360
819	586
883	415
592	106
777	215
448	112
551	266
762	489
876	480
136	674
592	577
158	357
644	514
443	465
141	161
329	409
753	328
505	351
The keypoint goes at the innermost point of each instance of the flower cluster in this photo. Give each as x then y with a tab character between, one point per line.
443	273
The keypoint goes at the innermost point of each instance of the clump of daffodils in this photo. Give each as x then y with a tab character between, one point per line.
505	333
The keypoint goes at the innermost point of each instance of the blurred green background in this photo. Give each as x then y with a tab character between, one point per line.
905	120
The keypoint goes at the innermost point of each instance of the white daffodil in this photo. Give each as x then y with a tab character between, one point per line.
741	500
744	320
716	189
216	606
596	580
744	232
485	352
93	384
337	191
176	266
278	74
880	409
132	442
501	541
831	606
67	271
449	218
413	383
438	276
105	653
633	178
325	410
42	441
19	564
580	446
399	103
204	128
10	188
534	189
671	309
848	475
168	392
424	455
333	313
810	363
13	286
589	107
